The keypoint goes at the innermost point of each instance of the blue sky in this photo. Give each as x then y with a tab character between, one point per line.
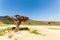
46	10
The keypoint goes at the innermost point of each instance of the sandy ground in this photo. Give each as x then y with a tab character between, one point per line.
46	34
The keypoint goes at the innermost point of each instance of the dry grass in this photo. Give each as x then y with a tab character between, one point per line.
54	28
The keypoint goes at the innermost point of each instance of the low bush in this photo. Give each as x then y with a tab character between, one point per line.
2	31
34	32
10	36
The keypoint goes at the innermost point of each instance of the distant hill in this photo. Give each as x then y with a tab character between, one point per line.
1	23
4	20
30	22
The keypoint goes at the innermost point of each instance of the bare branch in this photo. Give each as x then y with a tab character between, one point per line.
10	19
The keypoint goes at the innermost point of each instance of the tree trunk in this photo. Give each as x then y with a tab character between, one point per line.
17	26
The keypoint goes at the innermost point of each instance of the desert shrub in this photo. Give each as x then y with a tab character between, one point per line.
2	31
10	36
34	32
8	29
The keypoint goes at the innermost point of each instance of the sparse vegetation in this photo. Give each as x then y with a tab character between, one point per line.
54	28
30	22
2	31
49	23
8	29
35	32
17	21
10	36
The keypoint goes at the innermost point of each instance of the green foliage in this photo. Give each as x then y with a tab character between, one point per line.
8	28
2	31
10	36
35	32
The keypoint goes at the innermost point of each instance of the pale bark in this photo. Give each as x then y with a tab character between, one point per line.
17	26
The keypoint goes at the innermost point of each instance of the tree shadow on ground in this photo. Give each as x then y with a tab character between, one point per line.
22	28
